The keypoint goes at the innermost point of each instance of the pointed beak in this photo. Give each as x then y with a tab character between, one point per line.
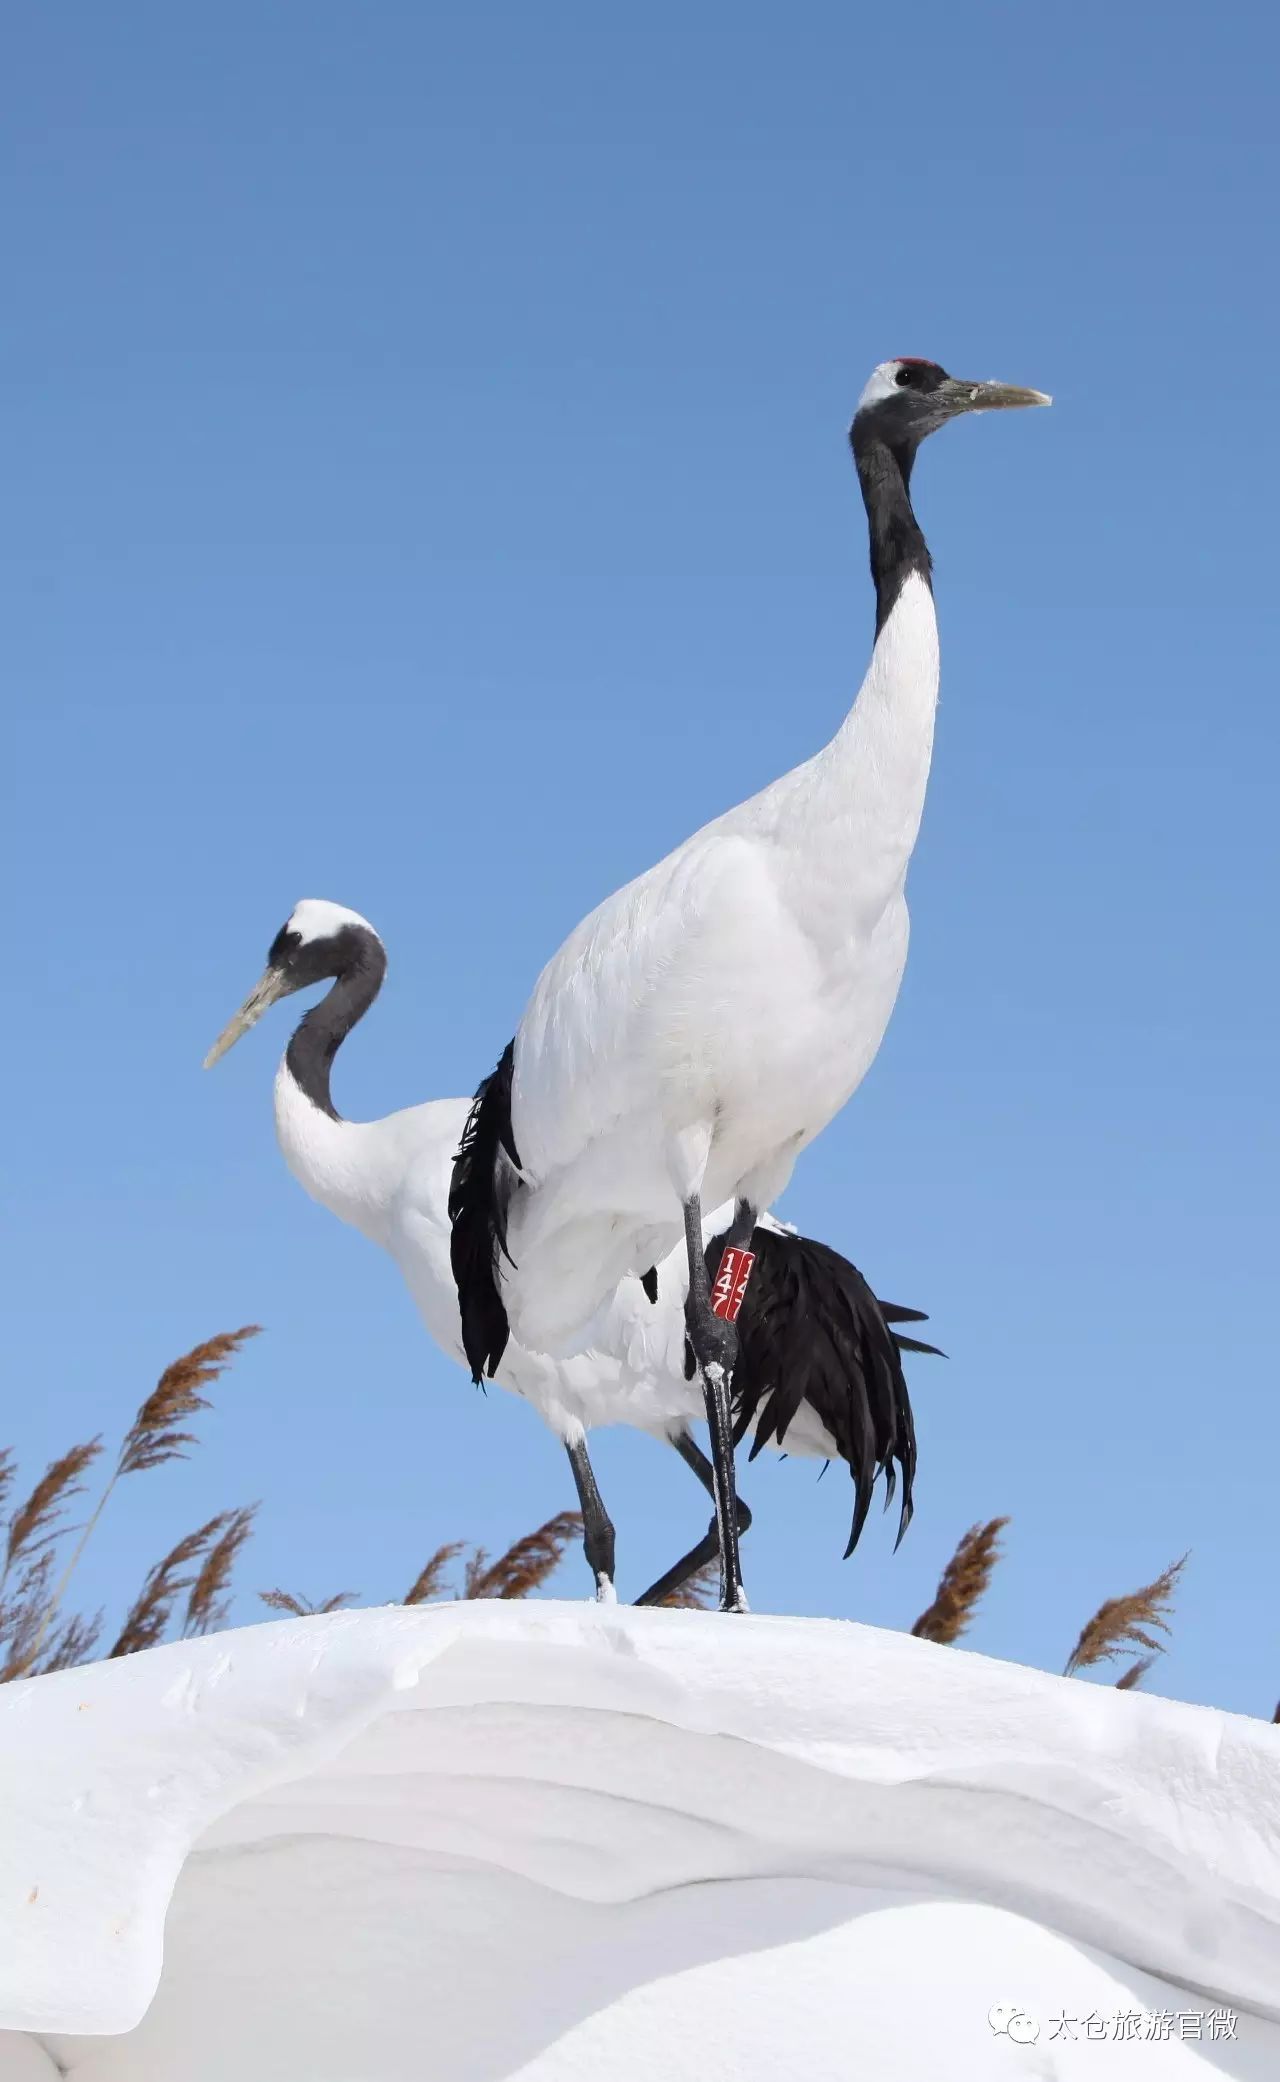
990	397
274	984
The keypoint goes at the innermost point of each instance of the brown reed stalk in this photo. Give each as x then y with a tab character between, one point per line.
701	1592
962	1584
35	1522
1133	1676
23	1615
430	1580
526	1564
153	1438
302	1608
209	1602
148	1617
285	1601
1126	1622
73	1644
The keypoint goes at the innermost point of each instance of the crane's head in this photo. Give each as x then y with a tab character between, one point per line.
316	942
906	399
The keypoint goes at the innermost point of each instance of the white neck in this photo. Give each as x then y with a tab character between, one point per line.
349	1166
866	790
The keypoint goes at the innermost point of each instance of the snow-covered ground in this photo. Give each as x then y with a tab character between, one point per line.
479	1841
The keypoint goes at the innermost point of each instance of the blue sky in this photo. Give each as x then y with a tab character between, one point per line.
427	429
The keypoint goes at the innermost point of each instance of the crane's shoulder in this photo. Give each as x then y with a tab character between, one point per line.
635	926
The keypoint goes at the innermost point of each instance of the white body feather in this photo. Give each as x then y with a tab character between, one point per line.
390	1179
707	1021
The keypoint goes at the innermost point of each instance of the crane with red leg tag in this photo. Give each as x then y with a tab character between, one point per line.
730	1284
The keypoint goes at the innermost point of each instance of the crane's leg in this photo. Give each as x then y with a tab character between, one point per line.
597	1526
714	1340
709	1546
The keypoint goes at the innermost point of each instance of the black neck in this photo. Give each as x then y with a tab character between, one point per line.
898	546
321	1034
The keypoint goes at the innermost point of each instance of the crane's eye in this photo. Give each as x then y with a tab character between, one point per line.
904	377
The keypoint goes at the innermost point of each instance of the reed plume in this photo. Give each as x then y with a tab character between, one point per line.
302	1608
148	1617
700	1592
962	1584
209	1601
526	1564
1126	1622
35	1523
1133	1676
430	1580
74	1643
524	1567
152	1439
22	1617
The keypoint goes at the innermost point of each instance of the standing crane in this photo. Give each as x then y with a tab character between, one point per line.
705	1023
821	1369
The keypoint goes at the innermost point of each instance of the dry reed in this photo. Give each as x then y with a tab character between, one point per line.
1133	1676
430	1580
700	1592
962	1584
23	1616
526	1564
148	1617
153	1437
209	1601
73	1644
523	1569
302	1608
35	1522
151	1440
1126	1622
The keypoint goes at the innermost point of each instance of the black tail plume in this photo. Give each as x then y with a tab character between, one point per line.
811	1331
479	1196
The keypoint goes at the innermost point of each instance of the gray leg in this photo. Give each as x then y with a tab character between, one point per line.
715	1349
740	1230
597	1526
709	1546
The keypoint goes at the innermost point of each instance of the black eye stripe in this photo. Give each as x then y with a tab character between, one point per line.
282	947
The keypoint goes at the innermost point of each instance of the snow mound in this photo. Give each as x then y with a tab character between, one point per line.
551	1841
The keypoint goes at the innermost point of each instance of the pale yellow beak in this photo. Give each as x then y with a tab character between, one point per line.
274	984
992	397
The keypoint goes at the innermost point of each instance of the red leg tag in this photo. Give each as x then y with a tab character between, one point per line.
731	1283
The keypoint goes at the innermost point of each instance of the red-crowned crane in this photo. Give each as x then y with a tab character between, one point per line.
821	1371
707	1021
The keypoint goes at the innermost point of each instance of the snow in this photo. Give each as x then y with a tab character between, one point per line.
554	1842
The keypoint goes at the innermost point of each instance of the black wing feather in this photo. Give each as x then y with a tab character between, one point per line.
479	1197
811	1331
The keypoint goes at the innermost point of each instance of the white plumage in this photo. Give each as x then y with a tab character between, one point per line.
687	1041
390	1179
705	1023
